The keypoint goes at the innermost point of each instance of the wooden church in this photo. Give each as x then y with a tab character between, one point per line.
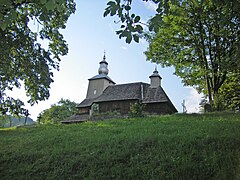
104	95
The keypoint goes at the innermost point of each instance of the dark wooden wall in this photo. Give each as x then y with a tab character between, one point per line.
84	110
158	108
122	107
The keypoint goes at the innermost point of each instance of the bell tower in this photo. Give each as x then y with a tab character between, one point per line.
100	82
155	79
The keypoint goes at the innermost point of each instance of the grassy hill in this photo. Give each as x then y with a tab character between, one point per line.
164	147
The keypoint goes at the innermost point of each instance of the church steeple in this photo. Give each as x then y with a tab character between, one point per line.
155	79
103	69
100	82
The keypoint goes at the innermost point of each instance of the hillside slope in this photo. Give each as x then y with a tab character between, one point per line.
164	147
19	122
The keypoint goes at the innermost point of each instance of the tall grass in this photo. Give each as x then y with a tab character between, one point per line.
163	147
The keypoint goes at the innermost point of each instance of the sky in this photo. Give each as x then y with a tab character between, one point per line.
88	35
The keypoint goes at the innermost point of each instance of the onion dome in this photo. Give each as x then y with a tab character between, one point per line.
103	69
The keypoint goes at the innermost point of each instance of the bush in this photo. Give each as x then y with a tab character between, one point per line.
136	109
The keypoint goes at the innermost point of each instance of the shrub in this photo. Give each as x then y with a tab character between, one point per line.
136	109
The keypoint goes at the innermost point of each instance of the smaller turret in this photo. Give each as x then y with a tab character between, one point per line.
155	79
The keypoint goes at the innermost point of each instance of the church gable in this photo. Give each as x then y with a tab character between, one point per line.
155	95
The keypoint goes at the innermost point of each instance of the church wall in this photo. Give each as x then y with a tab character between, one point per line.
84	110
158	108
123	107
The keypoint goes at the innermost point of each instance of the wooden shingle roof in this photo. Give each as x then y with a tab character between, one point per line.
132	91
102	76
86	103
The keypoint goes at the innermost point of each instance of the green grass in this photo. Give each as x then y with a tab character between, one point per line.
164	147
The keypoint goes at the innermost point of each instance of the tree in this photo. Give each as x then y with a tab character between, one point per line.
201	45
24	61
201	39
58	112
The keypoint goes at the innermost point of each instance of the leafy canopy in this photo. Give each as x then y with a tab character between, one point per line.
201	45
24	60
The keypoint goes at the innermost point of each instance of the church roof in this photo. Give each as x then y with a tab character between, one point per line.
86	102
155	74
123	92
102	76
132	91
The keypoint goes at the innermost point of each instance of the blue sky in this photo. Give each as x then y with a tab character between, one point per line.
88	34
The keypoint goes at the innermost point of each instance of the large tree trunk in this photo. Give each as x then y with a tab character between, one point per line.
205	63
217	84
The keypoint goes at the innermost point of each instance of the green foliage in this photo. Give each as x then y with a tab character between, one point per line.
131	27
95	109
106	115
165	147
23	59
229	94
136	109
202	46
57	112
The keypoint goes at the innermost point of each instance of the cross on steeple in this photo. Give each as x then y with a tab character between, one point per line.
104	55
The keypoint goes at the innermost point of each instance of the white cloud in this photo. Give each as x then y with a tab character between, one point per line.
124	47
192	101
150	5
